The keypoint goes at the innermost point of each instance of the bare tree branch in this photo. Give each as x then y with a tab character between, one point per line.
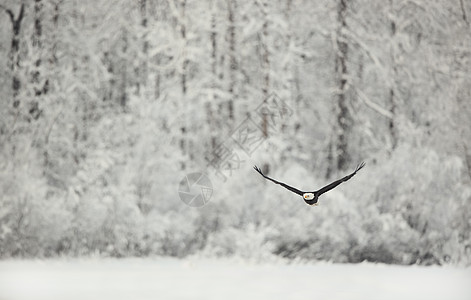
12	15
376	107
21	14
9	12
463	11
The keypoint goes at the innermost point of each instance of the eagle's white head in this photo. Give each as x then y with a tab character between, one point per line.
308	196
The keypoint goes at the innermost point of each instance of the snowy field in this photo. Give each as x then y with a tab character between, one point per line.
226	279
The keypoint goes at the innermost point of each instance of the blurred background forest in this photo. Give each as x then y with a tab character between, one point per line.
106	105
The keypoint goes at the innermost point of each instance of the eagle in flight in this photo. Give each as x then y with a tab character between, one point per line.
311	197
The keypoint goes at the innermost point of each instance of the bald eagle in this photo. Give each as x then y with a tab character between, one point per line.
311	197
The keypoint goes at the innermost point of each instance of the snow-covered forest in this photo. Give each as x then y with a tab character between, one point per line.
106	105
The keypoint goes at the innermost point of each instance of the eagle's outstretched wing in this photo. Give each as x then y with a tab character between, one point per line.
335	183
294	190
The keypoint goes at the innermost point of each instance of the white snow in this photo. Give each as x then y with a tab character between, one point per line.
163	278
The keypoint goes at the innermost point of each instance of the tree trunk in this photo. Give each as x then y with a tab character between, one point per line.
392	100
265	66
214	76
158	73
123	96
14	55
183	129
143	70
231	5
55	22
185	60
36	79
344	119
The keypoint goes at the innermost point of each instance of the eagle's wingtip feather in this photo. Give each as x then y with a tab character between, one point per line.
360	165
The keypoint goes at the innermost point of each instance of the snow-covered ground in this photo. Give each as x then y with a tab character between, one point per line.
159	278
